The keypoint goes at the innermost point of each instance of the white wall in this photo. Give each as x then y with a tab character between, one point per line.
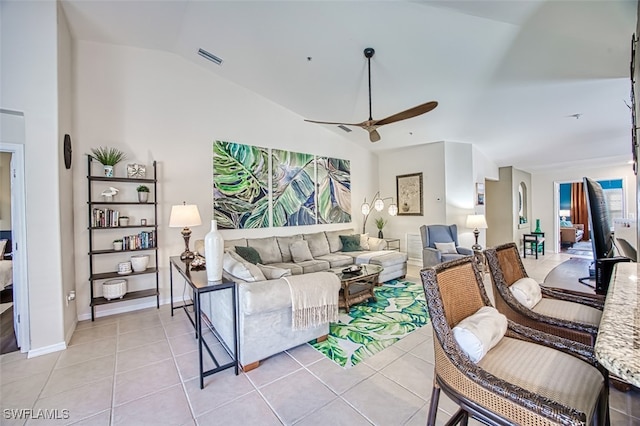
28	36
66	176
156	105
450	171
543	192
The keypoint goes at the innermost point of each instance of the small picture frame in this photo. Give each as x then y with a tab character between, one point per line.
136	171
409	194
479	194
143	222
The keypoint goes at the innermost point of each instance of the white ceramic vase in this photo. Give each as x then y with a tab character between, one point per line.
213	251
108	171
139	263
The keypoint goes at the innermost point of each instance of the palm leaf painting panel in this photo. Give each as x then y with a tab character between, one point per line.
240	185
334	190
293	188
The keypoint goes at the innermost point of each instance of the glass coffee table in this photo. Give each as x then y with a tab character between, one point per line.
358	286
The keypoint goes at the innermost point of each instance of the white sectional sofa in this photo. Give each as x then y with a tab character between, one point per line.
265	313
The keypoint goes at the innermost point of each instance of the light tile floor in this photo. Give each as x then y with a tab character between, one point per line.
140	368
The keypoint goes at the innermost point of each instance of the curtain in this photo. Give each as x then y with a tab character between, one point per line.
579	210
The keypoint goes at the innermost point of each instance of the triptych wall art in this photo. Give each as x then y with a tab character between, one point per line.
256	187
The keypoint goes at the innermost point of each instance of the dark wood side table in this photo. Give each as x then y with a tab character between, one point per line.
535	240
197	280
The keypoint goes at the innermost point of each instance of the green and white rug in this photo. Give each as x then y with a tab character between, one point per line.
370	327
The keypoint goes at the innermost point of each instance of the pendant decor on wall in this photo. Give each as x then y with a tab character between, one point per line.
240	186
305	189
334	190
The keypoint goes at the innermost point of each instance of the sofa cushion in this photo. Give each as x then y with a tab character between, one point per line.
364	241
300	251
318	243
387	258
314	266
249	254
268	249
231	244
376	244
284	243
350	242
236	266
273	272
336	259
333	238
293	267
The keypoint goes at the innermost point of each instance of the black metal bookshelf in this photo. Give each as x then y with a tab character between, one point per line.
96	277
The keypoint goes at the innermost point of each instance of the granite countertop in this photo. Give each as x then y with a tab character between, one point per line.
617	346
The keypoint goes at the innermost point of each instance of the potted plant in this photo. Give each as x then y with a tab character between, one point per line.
143	193
380	223
117	245
108	157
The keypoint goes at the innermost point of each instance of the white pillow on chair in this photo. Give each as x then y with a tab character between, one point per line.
446	247
526	291
480	332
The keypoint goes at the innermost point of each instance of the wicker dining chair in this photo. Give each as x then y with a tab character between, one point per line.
518	381
561	312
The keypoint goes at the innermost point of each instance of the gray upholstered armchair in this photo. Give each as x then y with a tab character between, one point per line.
432	234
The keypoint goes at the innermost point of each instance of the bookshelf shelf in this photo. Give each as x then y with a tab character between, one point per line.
141	238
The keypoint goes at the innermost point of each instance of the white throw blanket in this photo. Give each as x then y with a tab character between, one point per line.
314	299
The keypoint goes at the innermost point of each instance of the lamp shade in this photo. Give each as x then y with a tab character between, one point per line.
184	215
476	221
378	205
565	213
365	209
393	210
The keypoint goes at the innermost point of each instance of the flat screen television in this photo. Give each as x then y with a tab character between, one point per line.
601	234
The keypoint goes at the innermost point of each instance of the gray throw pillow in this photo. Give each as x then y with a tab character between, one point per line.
300	251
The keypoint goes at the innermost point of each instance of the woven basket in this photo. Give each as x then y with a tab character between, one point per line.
114	289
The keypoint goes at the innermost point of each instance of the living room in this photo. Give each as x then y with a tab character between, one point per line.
155	105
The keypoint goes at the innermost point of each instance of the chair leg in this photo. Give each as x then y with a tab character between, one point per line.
433	405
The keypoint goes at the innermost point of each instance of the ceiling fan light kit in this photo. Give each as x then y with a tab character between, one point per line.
371	125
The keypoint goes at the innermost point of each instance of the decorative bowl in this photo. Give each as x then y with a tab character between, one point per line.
140	262
114	289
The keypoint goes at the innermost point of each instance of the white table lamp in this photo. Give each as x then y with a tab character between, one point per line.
477	222
183	216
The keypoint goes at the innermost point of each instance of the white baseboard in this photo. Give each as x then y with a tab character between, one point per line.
47	350
142	304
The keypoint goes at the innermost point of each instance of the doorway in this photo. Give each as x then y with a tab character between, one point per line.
12	142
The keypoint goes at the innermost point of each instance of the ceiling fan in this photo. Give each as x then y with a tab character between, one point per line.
371	125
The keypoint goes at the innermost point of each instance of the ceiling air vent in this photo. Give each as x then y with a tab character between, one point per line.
345	128
210	56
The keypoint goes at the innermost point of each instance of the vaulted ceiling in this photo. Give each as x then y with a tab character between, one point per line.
533	84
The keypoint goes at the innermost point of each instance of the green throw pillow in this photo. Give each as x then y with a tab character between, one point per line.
350	242
249	254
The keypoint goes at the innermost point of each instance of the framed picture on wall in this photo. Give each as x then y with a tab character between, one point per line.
479	194
409	194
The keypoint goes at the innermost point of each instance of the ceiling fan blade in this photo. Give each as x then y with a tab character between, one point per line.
331	122
374	136
410	113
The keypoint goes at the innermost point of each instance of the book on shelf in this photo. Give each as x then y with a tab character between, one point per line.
140	241
104	218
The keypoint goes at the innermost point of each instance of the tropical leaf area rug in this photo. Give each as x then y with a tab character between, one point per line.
370	327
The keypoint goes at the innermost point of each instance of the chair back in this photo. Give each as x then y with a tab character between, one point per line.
454	291
505	263
432	234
